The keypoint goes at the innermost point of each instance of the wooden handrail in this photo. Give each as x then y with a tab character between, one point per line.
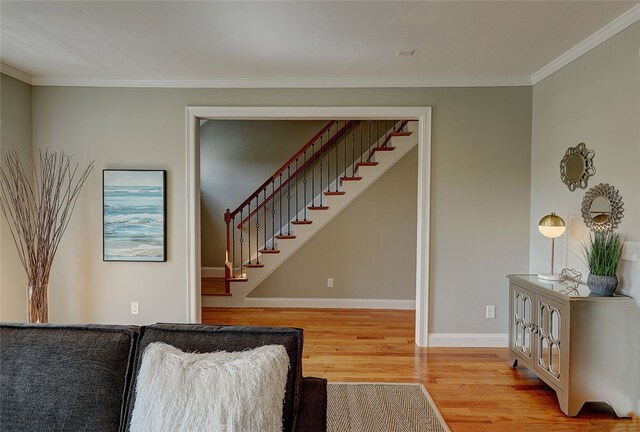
304	165
283	167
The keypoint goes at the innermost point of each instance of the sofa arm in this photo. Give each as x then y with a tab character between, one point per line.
312	411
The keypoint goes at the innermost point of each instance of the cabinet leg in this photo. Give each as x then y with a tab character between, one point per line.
622	409
568	406
513	361
572	407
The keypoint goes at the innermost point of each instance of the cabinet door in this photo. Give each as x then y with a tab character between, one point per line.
522	321
551	347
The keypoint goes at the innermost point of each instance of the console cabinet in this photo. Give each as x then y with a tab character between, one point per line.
571	340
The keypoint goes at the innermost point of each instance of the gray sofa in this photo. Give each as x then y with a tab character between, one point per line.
82	377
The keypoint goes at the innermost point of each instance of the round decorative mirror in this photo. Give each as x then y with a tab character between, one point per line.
602	208
577	166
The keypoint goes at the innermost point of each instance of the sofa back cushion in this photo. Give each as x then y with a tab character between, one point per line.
64	378
210	338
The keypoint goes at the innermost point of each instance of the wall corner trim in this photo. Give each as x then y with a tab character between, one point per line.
614	27
16	73
478	340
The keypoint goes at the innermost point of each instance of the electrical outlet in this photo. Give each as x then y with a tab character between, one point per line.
491	312
330	283
135	308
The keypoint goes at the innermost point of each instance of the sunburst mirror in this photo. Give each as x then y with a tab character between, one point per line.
577	166
602	208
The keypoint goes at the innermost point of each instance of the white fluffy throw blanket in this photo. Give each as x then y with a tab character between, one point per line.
220	391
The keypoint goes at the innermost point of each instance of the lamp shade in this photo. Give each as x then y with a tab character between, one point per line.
551	226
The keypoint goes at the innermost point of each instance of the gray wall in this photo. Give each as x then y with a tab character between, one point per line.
15	133
235	158
480	192
369	249
595	100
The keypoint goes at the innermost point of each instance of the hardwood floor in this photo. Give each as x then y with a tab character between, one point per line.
474	388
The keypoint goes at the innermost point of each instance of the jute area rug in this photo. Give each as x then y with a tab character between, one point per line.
377	407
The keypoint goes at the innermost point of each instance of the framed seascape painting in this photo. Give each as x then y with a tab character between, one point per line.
134	215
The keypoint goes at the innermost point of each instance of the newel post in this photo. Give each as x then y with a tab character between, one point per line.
228	265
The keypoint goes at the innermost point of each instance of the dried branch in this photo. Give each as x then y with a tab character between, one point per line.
38	213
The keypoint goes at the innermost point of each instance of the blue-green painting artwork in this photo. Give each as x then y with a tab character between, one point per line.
134	217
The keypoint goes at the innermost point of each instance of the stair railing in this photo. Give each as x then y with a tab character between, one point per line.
299	187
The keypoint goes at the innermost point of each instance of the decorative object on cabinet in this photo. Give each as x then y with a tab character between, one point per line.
571	279
602	208
551	226
577	166
134	215
602	253
38	210
553	334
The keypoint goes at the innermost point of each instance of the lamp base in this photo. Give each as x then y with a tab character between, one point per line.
549	276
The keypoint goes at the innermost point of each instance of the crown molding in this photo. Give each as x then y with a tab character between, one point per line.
614	27
16	73
285	83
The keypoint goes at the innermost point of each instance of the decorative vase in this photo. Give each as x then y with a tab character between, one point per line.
602	285
38	304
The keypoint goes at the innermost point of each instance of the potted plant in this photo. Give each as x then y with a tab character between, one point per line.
603	252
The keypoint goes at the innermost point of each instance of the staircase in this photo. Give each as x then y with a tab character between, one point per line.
341	161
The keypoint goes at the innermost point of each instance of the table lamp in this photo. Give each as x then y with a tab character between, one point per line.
551	226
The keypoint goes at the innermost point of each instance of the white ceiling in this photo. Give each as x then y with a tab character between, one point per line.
318	43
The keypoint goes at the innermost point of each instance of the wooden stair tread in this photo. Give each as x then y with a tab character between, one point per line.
318	208
238	279
377	149
399	134
330	193
350	178
269	251
285	237
254	265
359	164
302	222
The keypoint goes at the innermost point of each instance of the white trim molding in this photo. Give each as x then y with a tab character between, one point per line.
479	340
16	73
333	303
614	27
422	114
192	172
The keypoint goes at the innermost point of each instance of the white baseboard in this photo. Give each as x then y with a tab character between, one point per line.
329	303
212	271
479	340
